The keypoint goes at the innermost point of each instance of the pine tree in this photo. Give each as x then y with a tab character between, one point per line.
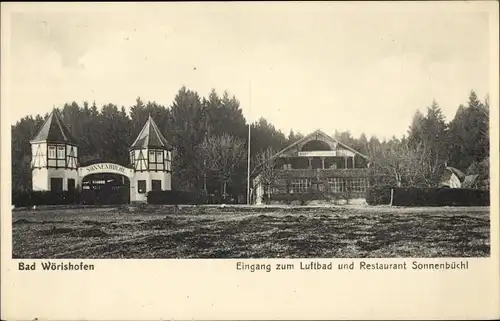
188	129
469	134
416	130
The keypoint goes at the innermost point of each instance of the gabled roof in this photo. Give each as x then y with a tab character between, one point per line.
469	181
457	172
150	137
54	131
315	134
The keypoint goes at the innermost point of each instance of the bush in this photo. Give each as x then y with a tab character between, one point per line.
378	195
440	197
30	198
174	197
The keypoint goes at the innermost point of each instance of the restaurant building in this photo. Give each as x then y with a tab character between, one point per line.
316	164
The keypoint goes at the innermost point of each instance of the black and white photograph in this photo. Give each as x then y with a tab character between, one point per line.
226	131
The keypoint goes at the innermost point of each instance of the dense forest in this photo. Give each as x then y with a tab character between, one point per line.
209	135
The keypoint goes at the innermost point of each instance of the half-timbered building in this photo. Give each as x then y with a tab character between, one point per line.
55	166
151	158
54	156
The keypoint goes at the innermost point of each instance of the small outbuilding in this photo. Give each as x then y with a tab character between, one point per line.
452	178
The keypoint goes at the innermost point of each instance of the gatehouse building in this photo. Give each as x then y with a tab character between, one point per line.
55	165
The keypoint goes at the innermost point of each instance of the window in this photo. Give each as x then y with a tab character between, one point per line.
52	152
61	156
141	186
159	157
156	185
299	185
132	154
71	184
287	166
56	184
156	160
359	184
337	184
60	152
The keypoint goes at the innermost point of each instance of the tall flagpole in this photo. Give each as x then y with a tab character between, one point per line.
249	136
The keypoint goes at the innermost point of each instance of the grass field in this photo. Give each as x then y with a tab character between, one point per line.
211	232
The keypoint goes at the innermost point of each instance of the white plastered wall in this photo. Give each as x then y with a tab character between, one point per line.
40	179
65	174
164	177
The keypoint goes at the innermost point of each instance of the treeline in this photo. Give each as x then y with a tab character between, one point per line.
192	124
209	136
432	143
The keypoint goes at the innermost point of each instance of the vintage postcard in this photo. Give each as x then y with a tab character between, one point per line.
281	160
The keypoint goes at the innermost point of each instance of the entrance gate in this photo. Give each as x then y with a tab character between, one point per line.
105	189
54	160
102	183
105	168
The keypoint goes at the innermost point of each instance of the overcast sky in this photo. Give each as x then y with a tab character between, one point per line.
346	66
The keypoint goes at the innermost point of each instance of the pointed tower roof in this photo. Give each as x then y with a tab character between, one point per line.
150	137
54	131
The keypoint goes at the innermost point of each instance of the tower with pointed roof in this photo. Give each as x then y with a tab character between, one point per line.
150	157
54	156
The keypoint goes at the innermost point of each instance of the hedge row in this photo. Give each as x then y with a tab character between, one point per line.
173	197
378	195
440	197
182	197
30	198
